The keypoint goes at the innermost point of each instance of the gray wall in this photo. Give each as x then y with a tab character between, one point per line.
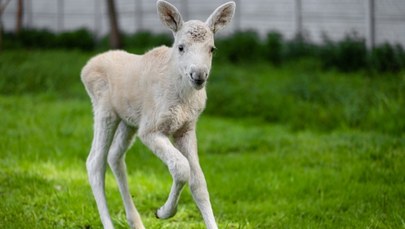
376	20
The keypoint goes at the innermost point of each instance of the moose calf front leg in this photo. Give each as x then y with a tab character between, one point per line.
187	144
178	167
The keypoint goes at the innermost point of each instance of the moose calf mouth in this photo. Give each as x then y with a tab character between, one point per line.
198	83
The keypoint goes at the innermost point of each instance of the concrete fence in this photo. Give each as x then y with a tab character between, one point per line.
377	21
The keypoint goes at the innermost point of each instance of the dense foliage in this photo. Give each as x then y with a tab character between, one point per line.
347	55
80	39
301	94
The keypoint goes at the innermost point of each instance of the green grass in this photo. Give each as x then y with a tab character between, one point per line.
259	175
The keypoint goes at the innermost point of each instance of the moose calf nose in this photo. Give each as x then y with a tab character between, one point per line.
198	77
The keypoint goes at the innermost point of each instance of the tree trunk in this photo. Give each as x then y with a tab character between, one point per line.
2	8
19	16
115	36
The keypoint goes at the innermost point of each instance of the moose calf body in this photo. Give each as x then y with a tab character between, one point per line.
155	96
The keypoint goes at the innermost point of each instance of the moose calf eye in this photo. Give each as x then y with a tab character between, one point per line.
181	48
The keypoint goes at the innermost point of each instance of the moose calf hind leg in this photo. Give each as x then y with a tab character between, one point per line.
116	159
104	128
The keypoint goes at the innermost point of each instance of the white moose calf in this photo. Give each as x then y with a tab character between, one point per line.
156	96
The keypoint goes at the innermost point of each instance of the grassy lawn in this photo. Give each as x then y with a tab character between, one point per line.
281	147
259	175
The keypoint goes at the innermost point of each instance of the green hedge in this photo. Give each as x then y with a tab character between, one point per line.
347	55
80	39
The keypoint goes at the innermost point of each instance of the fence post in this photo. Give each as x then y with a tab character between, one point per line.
60	16
29	20
370	23
238	15
19	16
97	19
138	15
298	18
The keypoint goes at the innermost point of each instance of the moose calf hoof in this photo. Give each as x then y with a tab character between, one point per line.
162	213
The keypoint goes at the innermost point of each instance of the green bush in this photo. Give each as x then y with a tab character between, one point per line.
30	38
387	58
299	47
352	54
145	40
80	39
273	48
347	55
327	54
242	46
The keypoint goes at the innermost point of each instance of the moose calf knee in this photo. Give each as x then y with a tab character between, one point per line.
95	168
114	161
180	169
91	164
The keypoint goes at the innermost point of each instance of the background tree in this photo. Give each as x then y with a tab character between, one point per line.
2	8
19	16
115	36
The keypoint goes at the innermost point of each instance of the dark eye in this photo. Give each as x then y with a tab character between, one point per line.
181	48
212	50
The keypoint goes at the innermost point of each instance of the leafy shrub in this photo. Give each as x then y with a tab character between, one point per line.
242	46
145	40
78	39
327	54
31	38
274	45
351	54
299	47
348	55
388	58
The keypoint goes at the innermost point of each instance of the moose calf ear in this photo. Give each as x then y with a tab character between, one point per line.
169	15
221	16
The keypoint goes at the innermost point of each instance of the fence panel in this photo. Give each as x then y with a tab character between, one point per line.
377	21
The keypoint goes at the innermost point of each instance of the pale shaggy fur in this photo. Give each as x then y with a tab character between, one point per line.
156	96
